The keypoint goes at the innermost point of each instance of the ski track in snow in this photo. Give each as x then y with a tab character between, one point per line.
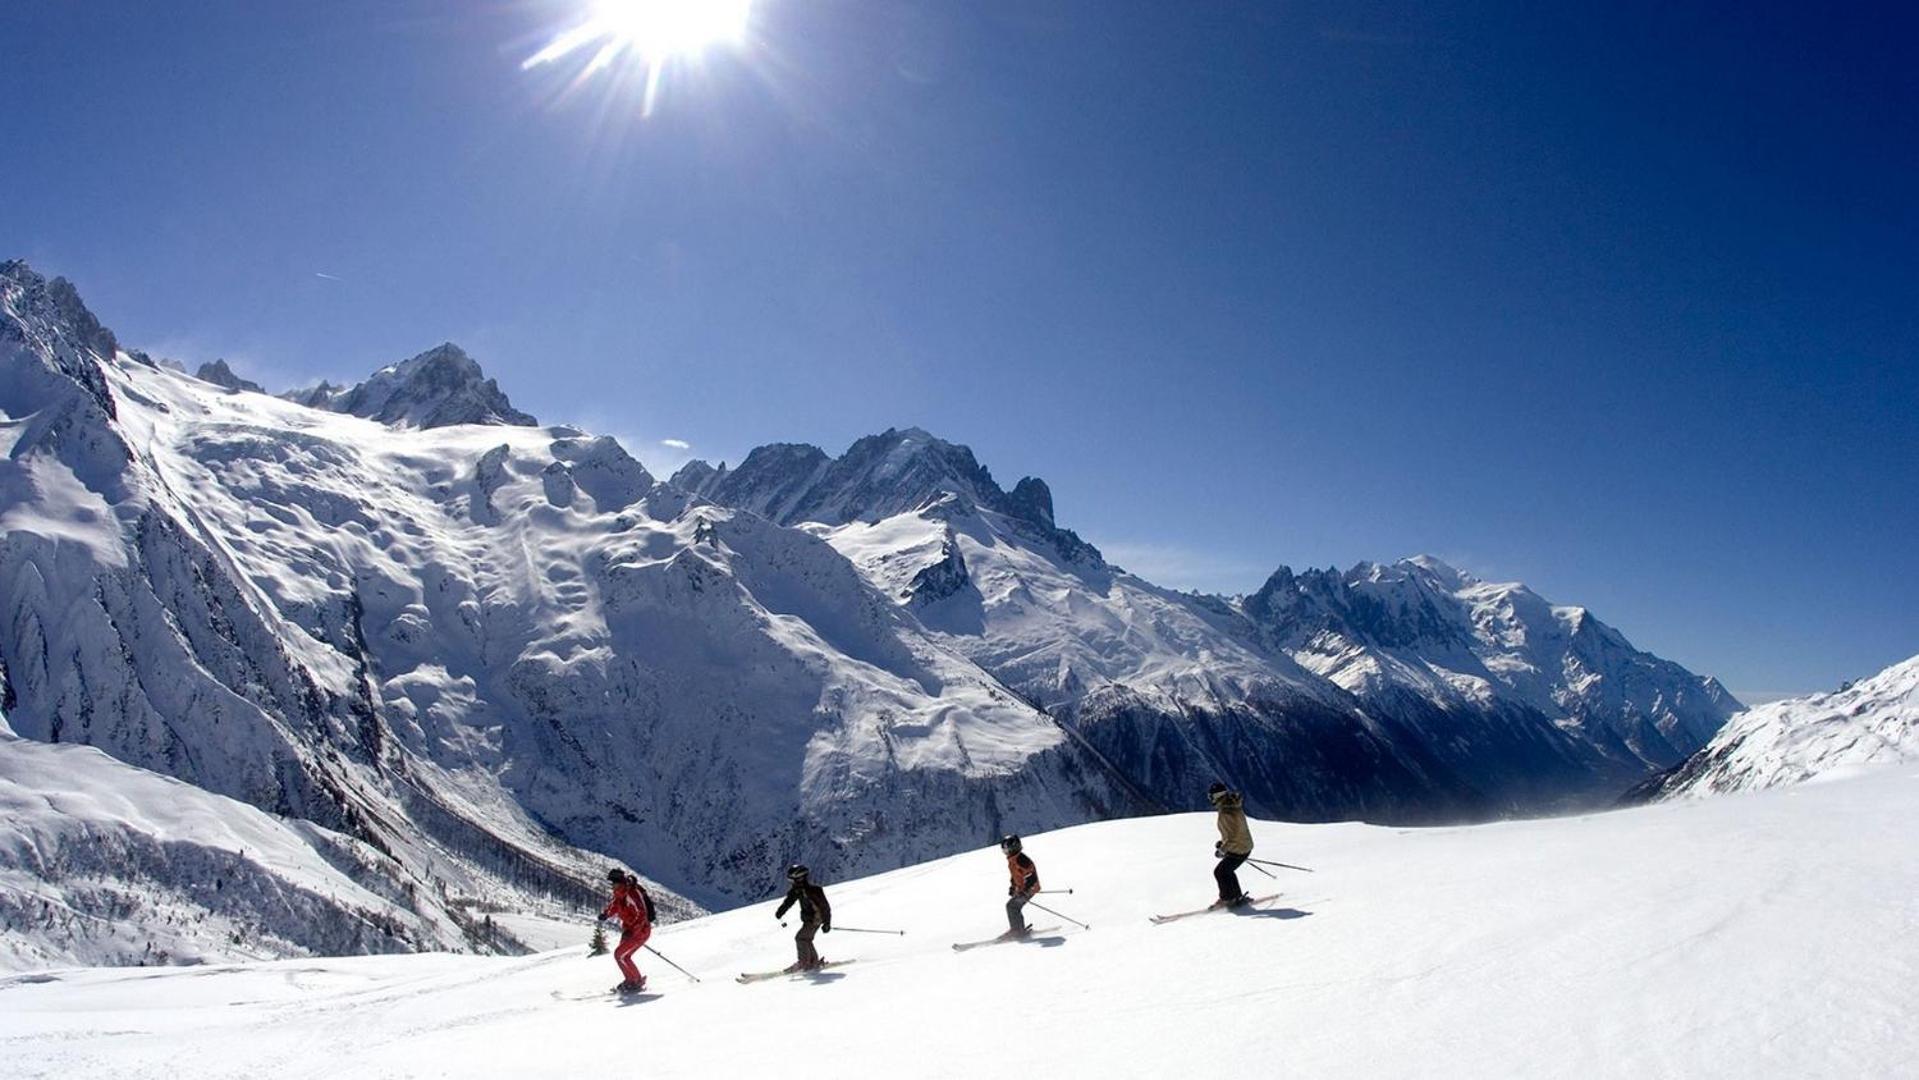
1762	934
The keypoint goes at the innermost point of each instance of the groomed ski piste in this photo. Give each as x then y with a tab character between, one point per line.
1766	934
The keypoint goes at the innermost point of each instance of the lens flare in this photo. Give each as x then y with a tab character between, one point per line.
652	33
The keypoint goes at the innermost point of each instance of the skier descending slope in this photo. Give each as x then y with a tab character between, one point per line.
815	914
1235	844
634	908
1024	886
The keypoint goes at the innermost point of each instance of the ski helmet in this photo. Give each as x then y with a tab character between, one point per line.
1213	793
796	872
1009	843
616	875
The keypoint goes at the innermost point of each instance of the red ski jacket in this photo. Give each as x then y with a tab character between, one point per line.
633	907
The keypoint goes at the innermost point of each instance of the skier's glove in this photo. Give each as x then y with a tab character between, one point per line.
1219	851
826	929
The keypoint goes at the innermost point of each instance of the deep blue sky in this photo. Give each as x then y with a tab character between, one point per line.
1622	303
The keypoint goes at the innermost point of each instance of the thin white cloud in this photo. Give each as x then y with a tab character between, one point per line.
676	444
324	277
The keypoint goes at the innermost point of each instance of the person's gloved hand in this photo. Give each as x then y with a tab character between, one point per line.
827	929
1219	851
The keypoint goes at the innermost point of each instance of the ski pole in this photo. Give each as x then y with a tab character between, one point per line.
1262	869
857	930
1056	914
1287	865
1050	892
672	965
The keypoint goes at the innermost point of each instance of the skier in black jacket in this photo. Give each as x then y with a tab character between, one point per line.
815	914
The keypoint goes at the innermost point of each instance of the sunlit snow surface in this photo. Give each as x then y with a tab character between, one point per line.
1769	934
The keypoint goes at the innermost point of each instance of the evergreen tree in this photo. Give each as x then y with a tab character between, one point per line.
597	947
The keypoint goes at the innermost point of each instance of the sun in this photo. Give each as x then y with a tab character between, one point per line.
653	33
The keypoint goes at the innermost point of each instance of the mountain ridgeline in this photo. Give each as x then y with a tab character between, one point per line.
1872	722
487	655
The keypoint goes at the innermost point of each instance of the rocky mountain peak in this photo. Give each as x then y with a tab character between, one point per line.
898	471
440	387
53	304
219	374
1033	500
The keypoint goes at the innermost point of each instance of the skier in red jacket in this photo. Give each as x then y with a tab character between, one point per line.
634	908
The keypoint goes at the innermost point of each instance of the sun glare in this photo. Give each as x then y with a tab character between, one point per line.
653	33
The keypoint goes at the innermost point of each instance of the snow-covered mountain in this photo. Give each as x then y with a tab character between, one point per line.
1824	736
494	646
1761	937
1420	638
1376	691
406	615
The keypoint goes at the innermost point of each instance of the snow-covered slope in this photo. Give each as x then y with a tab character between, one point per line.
103	863
1874	722
501	642
1760	935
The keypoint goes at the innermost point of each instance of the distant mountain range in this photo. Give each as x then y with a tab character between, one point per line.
488	655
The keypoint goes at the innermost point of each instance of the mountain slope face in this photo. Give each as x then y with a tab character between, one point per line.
145	612
484	649
1395	692
1421	639
102	863
1874	722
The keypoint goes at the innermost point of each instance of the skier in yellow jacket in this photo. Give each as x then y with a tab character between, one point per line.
1235	844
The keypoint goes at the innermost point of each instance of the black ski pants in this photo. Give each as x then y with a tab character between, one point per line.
809	956
1228	880
1015	918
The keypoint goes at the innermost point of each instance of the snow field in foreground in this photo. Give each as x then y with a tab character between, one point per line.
1768	934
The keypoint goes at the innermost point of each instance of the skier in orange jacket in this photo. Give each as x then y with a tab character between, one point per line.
1024	886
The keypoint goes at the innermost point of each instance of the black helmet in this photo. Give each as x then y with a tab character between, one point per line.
616	875
796	872
1213	793
1009	843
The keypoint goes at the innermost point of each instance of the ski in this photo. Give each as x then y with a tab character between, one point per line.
761	976
1003	939
605	995
1210	908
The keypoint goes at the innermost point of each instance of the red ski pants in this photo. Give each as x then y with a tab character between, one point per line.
630	943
